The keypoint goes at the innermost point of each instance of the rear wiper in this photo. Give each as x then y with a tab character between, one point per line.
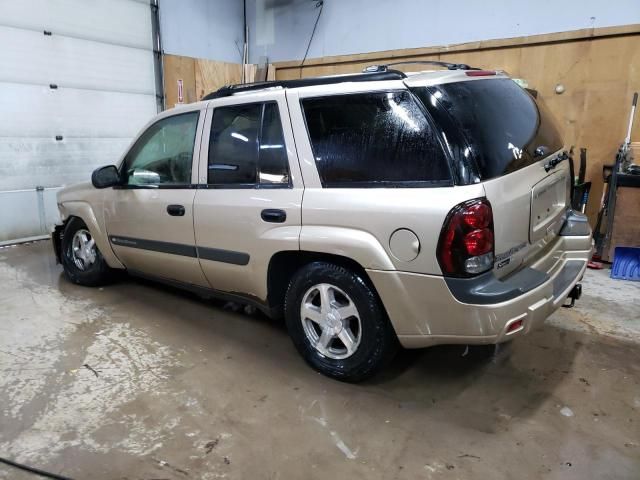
551	164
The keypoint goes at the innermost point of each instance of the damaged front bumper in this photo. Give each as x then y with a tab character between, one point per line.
56	241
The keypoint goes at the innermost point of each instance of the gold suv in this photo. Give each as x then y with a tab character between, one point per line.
370	210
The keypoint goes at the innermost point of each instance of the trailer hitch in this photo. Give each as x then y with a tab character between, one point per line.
574	294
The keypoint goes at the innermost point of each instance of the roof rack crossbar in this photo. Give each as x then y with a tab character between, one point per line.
447	65
227	91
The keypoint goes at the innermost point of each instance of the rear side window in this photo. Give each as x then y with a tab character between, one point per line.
374	140
272	157
501	122
246	147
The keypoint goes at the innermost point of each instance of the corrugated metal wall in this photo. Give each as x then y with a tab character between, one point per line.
76	84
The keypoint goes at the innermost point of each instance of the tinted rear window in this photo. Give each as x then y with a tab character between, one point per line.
246	147
501	122
374	139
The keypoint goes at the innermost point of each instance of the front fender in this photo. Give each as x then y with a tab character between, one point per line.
95	224
358	245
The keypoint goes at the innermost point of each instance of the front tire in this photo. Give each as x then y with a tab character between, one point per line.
337	322
81	259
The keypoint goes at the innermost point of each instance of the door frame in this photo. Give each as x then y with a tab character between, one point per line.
252	274
155	244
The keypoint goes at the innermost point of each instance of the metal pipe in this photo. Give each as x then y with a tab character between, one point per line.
41	212
157	55
245	46
634	104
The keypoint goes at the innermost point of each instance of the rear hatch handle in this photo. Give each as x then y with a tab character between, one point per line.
553	163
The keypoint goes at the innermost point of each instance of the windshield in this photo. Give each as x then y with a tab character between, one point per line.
503	126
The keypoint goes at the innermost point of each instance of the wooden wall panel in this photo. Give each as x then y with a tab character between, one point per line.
211	75
599	68
179	68
271	73
200	77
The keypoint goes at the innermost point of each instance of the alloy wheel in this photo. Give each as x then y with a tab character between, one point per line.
83	249
331	321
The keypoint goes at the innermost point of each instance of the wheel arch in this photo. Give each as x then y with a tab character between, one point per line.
284	264
84	211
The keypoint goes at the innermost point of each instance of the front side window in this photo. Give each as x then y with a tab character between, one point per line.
163	155
246	147
374	140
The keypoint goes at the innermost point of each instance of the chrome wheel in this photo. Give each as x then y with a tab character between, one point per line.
83	249
331	321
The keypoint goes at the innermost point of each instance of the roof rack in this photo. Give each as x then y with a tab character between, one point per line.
447	65
227	91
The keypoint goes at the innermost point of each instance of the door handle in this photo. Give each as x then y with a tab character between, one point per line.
274	215
175	210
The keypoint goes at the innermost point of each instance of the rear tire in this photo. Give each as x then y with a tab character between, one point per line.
81	259
337	322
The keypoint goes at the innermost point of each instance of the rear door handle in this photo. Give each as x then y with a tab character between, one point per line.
274	215
175	210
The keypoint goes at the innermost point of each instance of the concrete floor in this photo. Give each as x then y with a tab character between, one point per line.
137	381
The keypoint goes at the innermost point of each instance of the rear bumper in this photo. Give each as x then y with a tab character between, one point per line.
424	311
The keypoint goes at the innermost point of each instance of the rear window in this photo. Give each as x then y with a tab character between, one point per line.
374	139
503	126
246	147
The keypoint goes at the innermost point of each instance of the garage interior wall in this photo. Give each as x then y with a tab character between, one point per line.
206	29
202	44
280	29
76	84
202	41
200	76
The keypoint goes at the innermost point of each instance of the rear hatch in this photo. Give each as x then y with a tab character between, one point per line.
509	143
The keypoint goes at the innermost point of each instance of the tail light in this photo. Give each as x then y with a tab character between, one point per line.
466	243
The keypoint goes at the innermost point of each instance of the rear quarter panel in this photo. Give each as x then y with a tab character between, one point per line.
358	222
377	213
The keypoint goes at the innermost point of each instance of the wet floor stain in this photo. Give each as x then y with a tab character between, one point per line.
138	381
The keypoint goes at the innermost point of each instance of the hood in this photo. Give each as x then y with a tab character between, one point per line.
75	192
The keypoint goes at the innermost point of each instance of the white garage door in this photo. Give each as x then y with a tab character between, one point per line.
77	82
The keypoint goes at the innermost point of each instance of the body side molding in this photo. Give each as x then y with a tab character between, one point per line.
205	253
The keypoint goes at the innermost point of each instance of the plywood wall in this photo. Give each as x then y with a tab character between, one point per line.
200	77
177	68
211	75
599	68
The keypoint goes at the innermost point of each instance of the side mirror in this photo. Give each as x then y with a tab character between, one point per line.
104	177
145	177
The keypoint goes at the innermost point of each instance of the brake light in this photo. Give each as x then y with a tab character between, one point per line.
480	73
479	242
477	215
466	242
